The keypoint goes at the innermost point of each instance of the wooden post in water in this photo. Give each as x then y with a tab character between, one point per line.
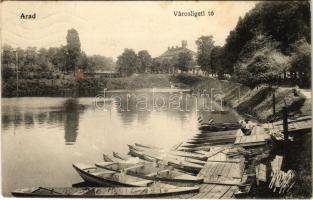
285	123
274	102
286	145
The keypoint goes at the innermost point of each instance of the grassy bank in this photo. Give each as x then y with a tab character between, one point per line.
67	86
139	81
259	102
256	102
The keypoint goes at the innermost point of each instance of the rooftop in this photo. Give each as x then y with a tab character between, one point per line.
173	51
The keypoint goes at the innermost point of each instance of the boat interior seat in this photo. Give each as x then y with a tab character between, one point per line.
143	183
152	174
134	167
102	173
163	171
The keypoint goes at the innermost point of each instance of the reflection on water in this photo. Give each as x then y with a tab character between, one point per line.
141	106
28	119
42	137
67	115
71	111
42	117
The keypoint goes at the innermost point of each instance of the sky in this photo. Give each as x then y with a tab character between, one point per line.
107	28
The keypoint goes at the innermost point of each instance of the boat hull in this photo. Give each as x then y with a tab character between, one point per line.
124	192
187	167
102	181
97	180
174	175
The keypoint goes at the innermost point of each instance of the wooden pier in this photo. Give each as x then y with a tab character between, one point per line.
223	171
295	127
222	174
257	137
227	170
214	191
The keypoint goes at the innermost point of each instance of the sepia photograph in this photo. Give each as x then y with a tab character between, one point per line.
156	99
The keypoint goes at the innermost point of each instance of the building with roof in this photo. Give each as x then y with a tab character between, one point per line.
172	53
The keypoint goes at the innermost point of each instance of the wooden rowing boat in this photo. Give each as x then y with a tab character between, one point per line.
168	154
195	149
108	158
167	160
206	144
219	127
205	134
119	156
215	136
106	177
155	190
197	156
151	171
213	141
147	146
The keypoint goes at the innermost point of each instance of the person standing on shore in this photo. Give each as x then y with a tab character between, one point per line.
246	126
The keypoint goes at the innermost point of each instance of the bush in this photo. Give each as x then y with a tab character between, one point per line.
186	79
7	72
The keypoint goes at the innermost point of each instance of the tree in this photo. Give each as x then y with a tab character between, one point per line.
156	65
283	22
301	61
7	72
166	66
84	63
31	59
59	60
184	61
144	61
286	22
8	56
43	60
52	54
205	45
21	58
100	63
73	49
216	61
127	62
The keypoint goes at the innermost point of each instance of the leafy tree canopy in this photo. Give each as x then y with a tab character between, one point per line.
127	62
184	61
145	61
205	45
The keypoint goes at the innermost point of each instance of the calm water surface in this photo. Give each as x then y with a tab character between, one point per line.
42	137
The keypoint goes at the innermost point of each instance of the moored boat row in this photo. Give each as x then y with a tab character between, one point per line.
149	171
155	190
181	164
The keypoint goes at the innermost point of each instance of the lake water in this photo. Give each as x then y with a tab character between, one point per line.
42	137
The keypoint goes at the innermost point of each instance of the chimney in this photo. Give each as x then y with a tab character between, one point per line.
184	43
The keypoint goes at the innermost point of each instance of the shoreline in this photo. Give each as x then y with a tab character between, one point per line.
252	103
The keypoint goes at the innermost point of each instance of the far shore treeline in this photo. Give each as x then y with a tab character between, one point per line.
270	44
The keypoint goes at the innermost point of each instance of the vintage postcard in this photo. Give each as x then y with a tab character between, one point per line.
171	99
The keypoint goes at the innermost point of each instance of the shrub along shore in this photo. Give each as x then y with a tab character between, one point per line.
66	86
